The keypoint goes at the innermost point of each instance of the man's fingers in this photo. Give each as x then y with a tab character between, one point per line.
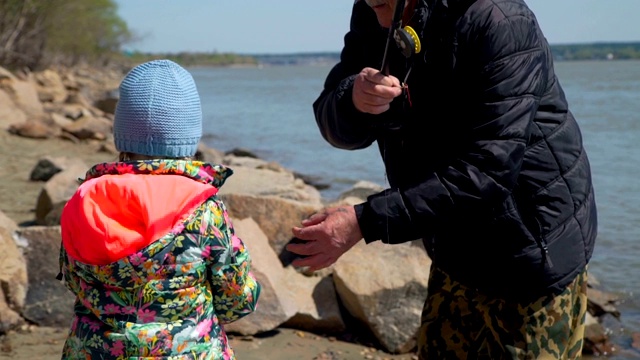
304	233
314	219
309	248
377	77
313	263
375	110
381	90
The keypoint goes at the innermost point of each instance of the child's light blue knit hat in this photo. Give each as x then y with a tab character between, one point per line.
158	113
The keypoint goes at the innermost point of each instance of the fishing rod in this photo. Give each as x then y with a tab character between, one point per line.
405	37
396	23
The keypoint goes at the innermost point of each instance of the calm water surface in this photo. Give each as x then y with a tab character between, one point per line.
268	110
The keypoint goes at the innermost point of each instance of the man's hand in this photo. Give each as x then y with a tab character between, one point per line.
373	91
329	234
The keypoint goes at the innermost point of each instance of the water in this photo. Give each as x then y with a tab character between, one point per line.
268	110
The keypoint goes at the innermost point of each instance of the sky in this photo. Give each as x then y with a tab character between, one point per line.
297	26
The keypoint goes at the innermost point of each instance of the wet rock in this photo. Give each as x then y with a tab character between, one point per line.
240	152
601	303
635	341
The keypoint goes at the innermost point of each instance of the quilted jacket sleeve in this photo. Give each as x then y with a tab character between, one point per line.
339	122
235	289
512	62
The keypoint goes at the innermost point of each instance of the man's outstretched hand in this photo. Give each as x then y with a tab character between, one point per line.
328	235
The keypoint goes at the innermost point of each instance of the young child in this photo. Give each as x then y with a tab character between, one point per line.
148	248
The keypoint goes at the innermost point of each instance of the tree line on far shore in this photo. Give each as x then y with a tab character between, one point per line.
36	34
597	51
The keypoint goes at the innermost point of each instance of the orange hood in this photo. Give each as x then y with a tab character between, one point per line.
114	216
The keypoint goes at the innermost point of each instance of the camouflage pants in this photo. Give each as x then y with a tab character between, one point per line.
459	323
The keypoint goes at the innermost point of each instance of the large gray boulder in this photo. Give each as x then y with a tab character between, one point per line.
384	287
274	199
275	306
48	302
317	303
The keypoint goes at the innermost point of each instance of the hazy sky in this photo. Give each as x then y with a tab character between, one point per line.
290	26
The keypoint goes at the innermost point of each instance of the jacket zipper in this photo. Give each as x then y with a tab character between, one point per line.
544	246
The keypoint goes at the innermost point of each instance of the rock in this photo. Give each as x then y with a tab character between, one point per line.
108	147
315	181
240	152
275	305
361	190
78	98
601	303
50	87
207	154
10	113
89	127
247	162
48	301
266	182
61	120
58	190
317	303
34	129
596	340
382	294
274	199
22	92
13	277
109	102
71	111
274	215
49	166
53	217
635	341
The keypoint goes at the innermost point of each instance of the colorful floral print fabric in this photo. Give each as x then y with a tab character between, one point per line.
170	299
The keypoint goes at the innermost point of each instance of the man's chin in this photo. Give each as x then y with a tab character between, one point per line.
385	26
384	22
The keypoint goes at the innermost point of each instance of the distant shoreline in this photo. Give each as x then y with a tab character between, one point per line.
603	51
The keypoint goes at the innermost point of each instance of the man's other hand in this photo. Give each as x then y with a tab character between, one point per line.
328	235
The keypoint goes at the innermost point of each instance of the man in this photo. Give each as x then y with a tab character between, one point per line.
485	163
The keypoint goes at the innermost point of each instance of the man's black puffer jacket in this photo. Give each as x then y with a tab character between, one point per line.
485	162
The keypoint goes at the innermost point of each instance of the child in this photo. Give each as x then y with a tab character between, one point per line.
148	248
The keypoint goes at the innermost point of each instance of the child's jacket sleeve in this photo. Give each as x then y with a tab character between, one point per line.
235	289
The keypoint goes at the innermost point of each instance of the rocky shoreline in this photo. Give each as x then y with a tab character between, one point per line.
54	124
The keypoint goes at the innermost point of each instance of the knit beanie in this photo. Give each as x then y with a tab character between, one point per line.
158	113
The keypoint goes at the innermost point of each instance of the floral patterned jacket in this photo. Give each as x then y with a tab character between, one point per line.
150	253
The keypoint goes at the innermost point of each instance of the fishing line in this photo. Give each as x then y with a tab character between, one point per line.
407	40
396	23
